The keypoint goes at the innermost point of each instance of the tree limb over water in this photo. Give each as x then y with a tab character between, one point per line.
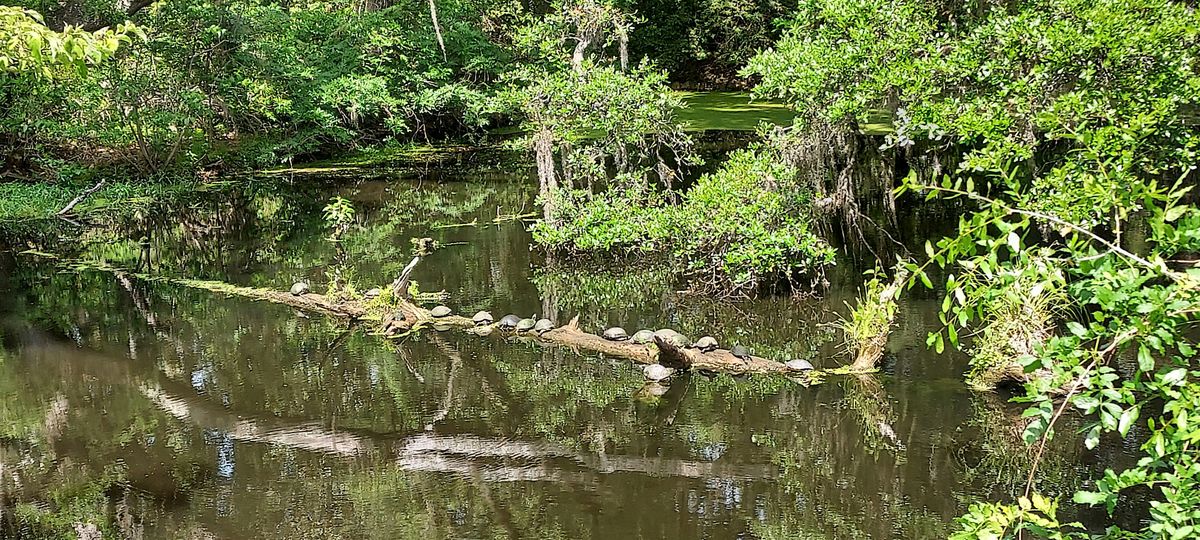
416	318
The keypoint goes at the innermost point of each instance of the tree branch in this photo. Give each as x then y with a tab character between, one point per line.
87	193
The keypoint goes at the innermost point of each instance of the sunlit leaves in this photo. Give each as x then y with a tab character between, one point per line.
27	45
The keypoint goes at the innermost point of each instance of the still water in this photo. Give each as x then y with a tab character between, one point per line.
156	411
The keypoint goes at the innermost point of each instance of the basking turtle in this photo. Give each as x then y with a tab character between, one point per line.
657	372
440	311
679	340
299	288
482	318
664	333
706	344
526	325
509	322
615	333
799	365
372	294
740	352
543	326
642	337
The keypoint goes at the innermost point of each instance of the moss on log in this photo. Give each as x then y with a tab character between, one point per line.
416	318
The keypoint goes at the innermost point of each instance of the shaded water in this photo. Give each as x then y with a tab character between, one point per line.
158	411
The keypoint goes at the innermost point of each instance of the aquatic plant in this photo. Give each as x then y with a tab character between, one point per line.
867	325
1019	316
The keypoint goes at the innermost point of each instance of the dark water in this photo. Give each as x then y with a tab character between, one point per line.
157	411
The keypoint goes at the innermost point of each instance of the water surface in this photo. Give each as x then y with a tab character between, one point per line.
163	412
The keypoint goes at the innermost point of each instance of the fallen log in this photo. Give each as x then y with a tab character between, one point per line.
407	317
570	335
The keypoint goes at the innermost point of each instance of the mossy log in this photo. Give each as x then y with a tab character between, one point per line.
416	318
870	351
570	335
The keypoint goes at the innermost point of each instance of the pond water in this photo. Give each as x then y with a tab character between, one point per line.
158	411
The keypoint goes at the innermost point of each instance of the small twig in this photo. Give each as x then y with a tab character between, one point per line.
87	193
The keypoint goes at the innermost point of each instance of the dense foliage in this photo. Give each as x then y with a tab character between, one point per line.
1065	130
1075	121
747	222
269	80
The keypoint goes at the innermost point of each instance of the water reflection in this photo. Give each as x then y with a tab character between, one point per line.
153	410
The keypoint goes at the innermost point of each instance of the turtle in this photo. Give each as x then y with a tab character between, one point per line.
657	372
440	311
740	352
706	344
615	333
372	294
643	337
299	288
509	322
799	365
526	324
482	318
664	332
543	326
673	337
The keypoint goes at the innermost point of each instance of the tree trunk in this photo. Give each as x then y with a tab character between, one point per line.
543	147
585	41
437	28
623	44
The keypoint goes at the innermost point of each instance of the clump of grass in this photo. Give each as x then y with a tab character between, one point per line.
1016	323
867	325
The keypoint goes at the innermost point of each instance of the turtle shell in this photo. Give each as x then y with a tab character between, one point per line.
799	365
643	337
543	326
509	321
678	340
664	333
440	311
526	325
740	352
299	288
482	318
657	372
706	343
615	333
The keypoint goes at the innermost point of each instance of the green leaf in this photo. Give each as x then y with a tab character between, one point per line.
1174	376
1076	328
1145	359
1091	498
1092	439
1127	419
